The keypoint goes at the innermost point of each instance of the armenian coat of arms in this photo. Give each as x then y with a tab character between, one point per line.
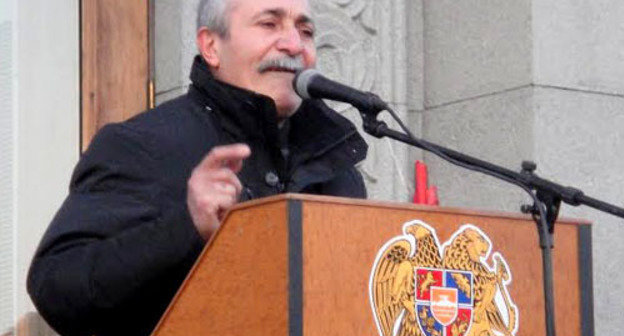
421	288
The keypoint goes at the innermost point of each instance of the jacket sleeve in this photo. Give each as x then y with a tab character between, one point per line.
116	237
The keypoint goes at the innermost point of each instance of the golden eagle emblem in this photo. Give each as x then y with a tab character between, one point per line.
419	287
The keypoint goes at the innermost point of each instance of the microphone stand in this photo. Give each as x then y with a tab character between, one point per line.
547	195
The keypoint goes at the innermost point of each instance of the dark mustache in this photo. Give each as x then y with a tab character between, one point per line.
286	62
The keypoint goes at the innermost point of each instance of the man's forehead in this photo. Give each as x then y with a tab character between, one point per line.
299	9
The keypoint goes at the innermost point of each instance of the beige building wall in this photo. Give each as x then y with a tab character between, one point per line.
40	105
539	80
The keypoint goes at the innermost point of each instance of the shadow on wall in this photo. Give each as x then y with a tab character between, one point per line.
31	324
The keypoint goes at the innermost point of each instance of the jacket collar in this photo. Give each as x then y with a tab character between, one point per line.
243	112
315	129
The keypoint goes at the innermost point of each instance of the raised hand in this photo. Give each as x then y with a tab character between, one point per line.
213	187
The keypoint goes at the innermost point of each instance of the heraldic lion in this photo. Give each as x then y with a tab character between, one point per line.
393	284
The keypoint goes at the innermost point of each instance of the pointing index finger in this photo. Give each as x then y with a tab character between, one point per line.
230	156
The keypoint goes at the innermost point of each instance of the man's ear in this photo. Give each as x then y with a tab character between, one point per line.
207	45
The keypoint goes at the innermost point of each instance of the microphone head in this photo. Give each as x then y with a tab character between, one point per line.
302	80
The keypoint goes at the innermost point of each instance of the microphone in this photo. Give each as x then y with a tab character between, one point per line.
310	83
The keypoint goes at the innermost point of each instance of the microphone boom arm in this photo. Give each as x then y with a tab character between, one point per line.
570	195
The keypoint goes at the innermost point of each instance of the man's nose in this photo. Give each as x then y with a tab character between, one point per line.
290	42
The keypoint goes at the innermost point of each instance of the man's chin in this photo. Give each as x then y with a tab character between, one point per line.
286	107
280	89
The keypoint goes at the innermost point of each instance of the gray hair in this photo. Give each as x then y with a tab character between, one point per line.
212	14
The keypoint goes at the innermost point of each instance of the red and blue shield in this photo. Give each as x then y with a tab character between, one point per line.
444	301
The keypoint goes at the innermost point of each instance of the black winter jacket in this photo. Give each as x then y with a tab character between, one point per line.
123	241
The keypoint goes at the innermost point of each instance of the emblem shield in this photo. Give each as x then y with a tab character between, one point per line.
444	304
444	301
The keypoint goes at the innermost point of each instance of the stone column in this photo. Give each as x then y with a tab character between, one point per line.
540	80
174	46
375	46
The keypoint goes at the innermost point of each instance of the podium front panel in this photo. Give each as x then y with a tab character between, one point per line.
302	266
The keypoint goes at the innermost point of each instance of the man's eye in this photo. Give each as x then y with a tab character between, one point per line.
268	24
308	33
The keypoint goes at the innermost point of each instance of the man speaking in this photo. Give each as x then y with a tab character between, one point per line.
149	192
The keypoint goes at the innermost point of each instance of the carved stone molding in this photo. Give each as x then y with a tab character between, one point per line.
345	48
361	43
362	11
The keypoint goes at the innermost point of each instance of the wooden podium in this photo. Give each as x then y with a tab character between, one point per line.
300	266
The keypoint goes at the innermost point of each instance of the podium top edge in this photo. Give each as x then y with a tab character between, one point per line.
393	205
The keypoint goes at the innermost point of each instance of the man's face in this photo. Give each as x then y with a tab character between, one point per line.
260	32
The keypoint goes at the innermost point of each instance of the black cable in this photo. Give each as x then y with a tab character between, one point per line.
466	165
